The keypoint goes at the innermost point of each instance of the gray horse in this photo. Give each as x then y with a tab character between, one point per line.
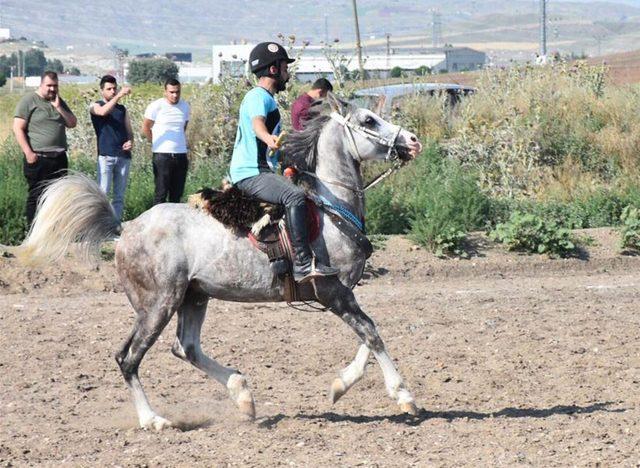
174	258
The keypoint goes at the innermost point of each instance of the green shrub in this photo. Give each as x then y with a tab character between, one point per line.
531	233
443	200
13	190
384	213
630	228
450	242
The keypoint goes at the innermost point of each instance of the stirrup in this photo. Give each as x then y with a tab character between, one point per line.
315	273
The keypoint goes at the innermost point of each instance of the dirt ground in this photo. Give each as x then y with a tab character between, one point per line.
514	360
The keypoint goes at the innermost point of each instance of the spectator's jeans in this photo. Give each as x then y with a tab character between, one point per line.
113	173
170	174
38	174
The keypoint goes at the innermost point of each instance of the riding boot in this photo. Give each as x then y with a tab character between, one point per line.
305	266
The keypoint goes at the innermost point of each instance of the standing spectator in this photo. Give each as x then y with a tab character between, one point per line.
40	122
300	107
115	140
165	124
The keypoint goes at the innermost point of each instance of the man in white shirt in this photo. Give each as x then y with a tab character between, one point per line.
165	125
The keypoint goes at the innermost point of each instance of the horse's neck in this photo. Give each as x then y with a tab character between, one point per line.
333	166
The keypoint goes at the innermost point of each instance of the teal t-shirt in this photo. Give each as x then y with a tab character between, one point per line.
250	154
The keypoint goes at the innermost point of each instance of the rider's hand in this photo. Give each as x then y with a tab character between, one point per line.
124	91
272	142
415	148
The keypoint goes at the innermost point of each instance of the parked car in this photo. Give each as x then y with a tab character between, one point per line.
382	99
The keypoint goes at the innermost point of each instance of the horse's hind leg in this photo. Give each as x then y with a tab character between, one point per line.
342	302
148	326
187	347
351	374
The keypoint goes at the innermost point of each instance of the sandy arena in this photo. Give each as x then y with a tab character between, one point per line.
514	360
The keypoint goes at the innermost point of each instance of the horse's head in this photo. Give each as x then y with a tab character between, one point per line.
370	137
360	134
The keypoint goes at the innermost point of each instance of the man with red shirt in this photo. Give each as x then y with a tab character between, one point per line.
300	107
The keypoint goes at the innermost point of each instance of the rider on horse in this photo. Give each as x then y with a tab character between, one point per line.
251	166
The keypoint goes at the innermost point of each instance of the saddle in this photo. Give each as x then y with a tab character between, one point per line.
262	223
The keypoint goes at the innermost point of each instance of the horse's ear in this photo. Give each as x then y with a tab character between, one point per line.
335	103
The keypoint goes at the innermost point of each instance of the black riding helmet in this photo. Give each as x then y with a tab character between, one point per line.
266	54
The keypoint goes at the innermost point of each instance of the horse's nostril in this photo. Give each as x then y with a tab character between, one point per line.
413	138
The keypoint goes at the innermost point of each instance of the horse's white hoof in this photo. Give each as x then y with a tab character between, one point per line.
338	388
409	408
240	394
247	408
156	422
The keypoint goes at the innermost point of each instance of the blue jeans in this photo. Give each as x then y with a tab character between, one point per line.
113	172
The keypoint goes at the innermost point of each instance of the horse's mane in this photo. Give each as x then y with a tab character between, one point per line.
300	148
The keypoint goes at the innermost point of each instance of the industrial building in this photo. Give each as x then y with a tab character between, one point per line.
231	60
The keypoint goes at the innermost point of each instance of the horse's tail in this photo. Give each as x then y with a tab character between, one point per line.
71	209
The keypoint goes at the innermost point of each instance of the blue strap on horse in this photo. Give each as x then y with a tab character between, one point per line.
342	211
348	223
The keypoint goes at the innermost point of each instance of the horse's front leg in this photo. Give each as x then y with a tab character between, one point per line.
351	374
342	302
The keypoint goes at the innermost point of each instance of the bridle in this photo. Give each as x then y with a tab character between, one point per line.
369	134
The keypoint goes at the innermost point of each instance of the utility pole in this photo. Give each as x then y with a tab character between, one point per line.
388	48
11	80
326	28
599	38
358	43
543	28
436	34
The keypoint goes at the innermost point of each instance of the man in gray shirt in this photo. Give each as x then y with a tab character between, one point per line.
40	122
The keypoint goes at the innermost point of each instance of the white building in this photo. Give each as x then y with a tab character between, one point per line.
232	60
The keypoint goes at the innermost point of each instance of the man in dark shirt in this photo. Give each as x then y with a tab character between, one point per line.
300	107
40	122
111	122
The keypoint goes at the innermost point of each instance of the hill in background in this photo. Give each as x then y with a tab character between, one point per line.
505	29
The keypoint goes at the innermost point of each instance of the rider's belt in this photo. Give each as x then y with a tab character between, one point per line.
50	154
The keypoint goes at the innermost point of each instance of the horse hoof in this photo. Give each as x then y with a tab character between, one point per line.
338	388
157	423
409	408
240	394
247	409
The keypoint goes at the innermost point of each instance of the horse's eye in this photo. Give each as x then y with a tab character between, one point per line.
369	120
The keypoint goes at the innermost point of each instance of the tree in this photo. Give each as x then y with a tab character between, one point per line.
423	70
6	62
151	71
35	62
396	72
3	80
55	65
75	71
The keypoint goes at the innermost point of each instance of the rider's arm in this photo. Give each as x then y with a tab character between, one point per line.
260	127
